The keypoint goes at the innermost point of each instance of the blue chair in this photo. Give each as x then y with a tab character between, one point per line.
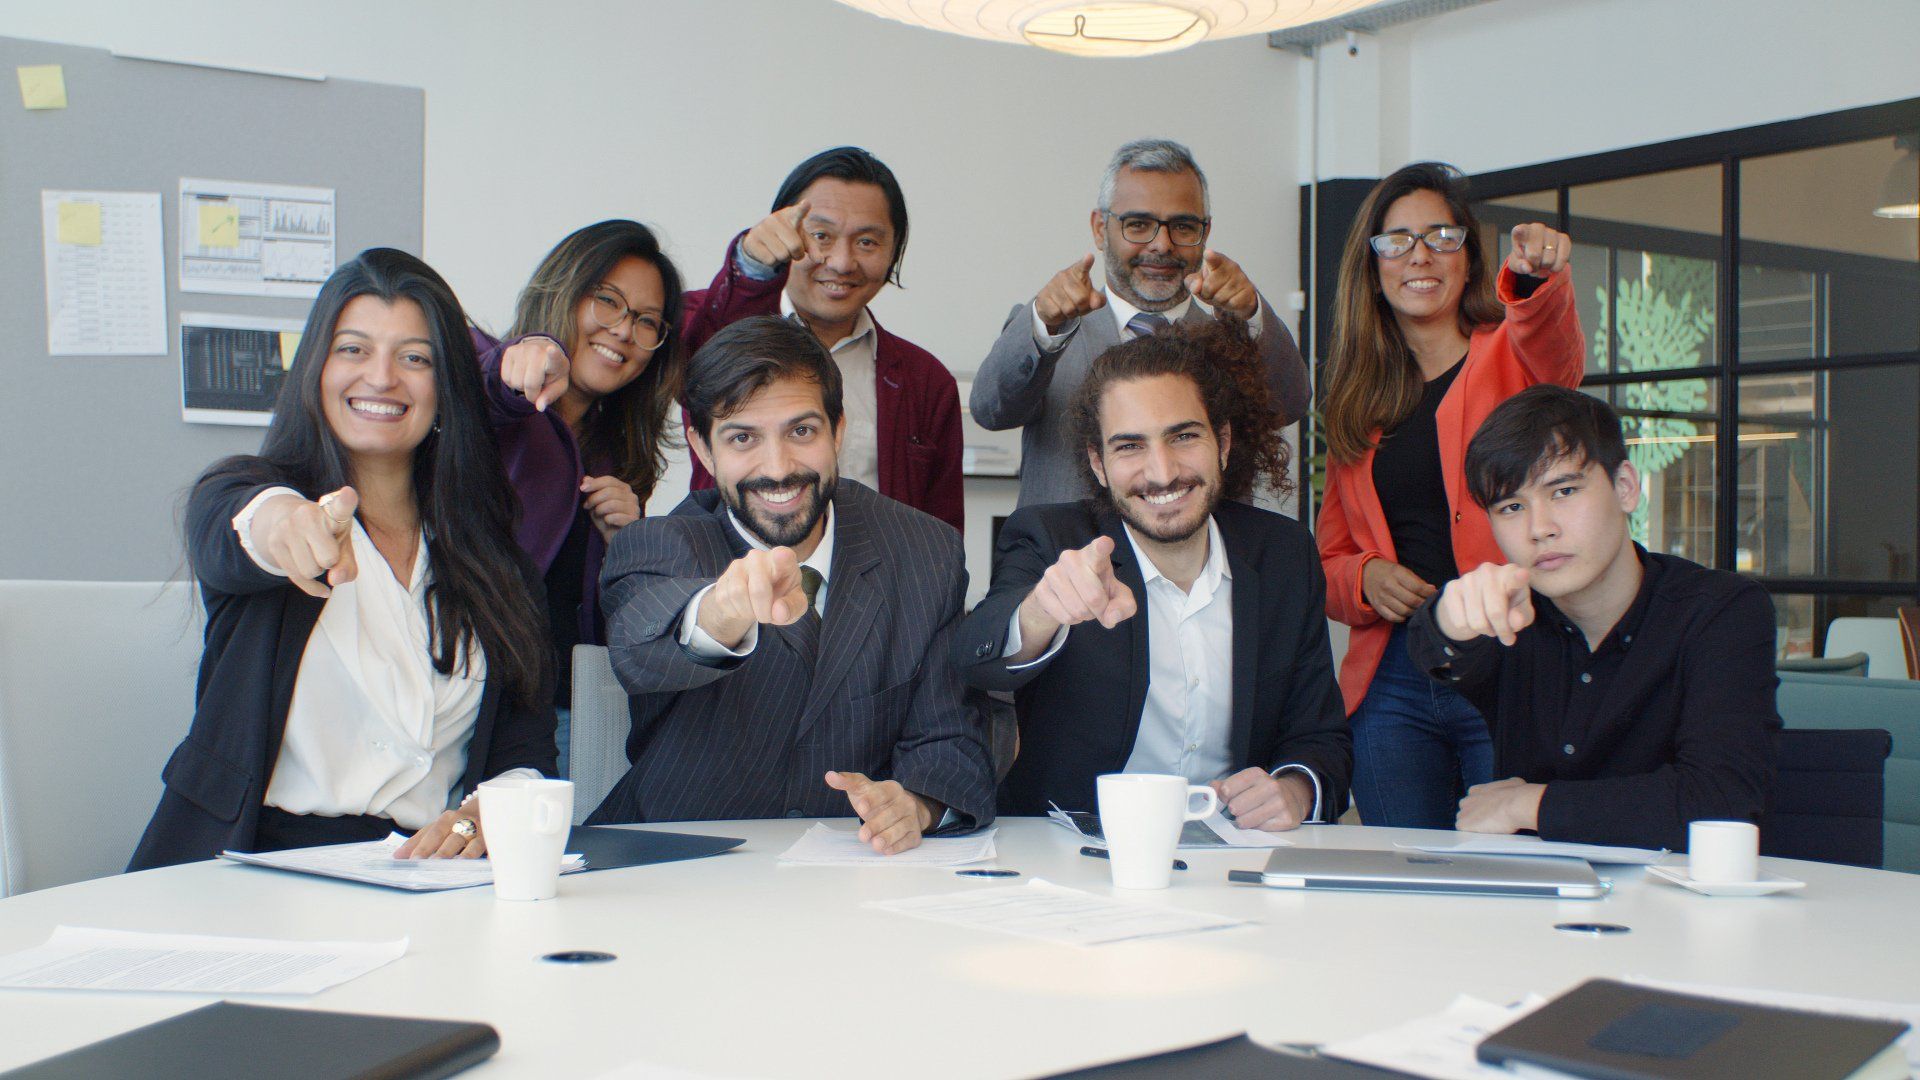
1845	703
1829	797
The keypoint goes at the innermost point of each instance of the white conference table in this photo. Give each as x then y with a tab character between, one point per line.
732	966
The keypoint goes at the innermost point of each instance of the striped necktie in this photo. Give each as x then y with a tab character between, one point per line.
810	582
1146	323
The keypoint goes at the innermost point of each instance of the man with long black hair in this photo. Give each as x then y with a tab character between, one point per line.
1161	625
833	240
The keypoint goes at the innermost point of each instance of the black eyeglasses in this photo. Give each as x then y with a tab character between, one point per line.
1184	232
610	312
1441	240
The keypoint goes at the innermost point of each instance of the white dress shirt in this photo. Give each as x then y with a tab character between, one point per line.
702	644
859	398
373	728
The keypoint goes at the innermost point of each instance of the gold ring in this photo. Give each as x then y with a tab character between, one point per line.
326	507
465	828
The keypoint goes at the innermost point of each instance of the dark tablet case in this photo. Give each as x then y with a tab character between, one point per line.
1237	1058
226	1041
608	848
1617	1031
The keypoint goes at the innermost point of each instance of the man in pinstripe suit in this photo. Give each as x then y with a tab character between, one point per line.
785	635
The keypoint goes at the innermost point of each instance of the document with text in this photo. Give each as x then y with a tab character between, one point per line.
1041	909
84	958
826	846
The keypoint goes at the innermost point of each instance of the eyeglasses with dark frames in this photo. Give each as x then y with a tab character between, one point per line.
1183	231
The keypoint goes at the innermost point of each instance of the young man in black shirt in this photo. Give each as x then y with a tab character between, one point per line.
1629	693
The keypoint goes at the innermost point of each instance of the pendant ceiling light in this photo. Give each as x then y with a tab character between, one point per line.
1108	27
1900	195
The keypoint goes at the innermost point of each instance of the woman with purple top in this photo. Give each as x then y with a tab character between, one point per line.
579	392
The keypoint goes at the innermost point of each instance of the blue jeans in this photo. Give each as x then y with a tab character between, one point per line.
1417	746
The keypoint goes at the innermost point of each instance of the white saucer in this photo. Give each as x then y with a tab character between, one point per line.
1767	885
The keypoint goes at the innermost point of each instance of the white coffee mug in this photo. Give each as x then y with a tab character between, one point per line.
1141	815
526	823
1723	852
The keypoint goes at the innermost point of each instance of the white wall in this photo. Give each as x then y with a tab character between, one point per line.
687	113
1521	81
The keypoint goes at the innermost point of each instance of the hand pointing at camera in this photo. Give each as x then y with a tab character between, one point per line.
309	538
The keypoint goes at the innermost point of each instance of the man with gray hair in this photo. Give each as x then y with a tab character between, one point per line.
1150	226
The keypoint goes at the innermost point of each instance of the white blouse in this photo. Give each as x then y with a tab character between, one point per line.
373	728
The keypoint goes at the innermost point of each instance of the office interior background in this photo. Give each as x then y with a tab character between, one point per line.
1717	163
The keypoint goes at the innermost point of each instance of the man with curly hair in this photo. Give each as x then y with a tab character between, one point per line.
1161	625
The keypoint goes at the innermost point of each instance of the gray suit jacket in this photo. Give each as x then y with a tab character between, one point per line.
1018	385
871	689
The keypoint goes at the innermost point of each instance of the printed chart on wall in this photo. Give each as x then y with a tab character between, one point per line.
106	273
255	239
231	366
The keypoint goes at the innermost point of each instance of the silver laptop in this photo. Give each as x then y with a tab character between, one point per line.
1422	871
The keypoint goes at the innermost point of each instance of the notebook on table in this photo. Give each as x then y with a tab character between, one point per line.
1612	1030
226	1041
1419	871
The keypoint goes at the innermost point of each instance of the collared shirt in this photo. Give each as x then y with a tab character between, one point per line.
1669	719
1123	313
372	728
1186	722
702	644
859	396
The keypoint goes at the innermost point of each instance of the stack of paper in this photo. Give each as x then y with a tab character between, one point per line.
372	863
1041	909
1441	1046
80	958
822	846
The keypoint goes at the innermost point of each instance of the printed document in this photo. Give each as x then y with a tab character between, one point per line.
106	273
372	863
824	846
255	239
1440	1046
82	958
1041	909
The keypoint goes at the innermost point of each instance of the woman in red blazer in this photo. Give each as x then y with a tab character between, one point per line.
1427	341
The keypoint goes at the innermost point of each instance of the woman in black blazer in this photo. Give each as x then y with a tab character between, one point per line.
375	645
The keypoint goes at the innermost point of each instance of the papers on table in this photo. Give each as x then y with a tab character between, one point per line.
1902	1012
255	239
106	273
1212	832
1041	909
823	846
372	863
1528	845
81	958
1440	1046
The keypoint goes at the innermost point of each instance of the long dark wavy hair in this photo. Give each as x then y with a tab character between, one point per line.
1223	361
629	426
480	592
1373	380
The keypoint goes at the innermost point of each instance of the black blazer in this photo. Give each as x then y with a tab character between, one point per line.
1080	711
257	630
753	738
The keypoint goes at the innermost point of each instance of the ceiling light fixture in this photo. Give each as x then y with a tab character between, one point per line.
1108	27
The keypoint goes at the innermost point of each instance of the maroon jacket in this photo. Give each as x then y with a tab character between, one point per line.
917	398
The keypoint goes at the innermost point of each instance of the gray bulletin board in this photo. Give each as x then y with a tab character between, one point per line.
94	455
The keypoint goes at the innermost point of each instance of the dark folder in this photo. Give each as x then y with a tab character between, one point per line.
226	1041
1612	1030
609	848
1237	1058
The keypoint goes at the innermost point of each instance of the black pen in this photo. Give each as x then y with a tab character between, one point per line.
1101	853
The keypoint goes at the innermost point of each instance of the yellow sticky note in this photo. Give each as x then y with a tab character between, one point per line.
219	226
42	86
289	344
78	223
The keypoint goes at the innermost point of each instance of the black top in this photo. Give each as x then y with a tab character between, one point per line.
1413	493
1080	711
1671	720
257	631
566	590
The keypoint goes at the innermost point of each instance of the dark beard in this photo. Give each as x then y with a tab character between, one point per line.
782	530
1155	532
